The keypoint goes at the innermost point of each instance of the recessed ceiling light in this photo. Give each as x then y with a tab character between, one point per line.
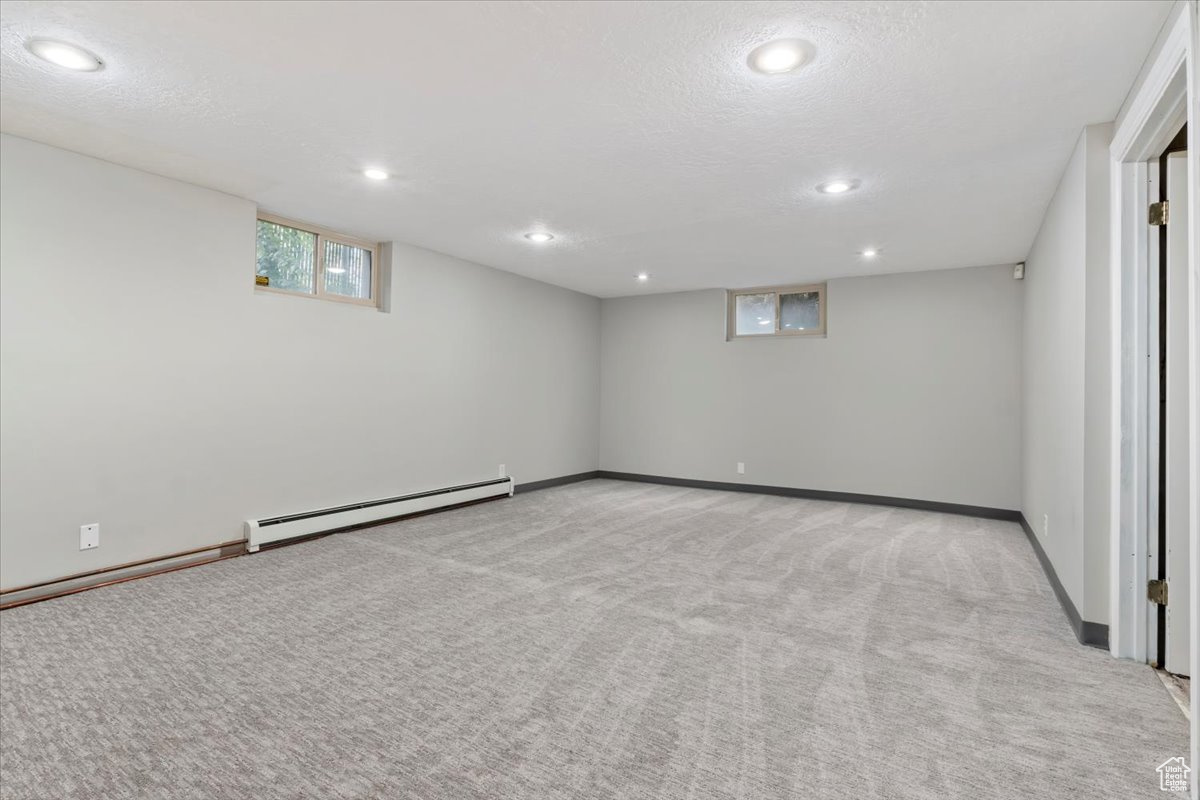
642	276
870	252
839	186
779	56
539	237
376	174
764	322
65	55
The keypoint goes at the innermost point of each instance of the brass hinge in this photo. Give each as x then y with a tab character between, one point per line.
1156	591
1159	213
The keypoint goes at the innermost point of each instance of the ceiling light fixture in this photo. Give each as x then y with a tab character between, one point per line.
839	186
870	252
779	56
540	238
642	276
64	55
335	270
376	174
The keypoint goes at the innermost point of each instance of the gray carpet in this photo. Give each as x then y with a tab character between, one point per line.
599	640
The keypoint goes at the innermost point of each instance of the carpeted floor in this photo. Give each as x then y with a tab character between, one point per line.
599	640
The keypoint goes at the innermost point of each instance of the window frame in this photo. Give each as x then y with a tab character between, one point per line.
322	235
731	311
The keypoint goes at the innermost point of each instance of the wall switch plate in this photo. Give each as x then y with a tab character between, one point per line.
1045	524
89	536
503	472
741	467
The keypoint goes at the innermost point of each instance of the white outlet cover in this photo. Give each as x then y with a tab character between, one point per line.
503	471
89	536
741	468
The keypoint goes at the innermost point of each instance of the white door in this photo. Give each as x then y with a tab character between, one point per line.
1178	482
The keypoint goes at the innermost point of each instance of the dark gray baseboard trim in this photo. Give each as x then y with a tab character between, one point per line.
1093	634
562	480
820	494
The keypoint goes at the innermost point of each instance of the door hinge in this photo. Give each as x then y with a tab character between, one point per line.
1156	592
1159	213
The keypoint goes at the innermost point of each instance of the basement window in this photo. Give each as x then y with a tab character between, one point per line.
301	259
776	311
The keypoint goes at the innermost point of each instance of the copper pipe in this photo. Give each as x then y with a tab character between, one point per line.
129	565
235	543
114	581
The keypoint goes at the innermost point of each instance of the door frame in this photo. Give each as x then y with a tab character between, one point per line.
1164	97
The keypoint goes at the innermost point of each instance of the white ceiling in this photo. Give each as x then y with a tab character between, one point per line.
632	131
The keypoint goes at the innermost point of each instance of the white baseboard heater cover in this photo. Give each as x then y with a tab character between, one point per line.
277	529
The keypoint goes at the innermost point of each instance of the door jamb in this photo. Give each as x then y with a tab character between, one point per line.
1166	96
1153	114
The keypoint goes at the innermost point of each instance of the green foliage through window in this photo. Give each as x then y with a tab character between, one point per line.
287	256
293	259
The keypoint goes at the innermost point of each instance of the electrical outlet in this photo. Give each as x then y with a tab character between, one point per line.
503	472
89	536
741	467
1045	524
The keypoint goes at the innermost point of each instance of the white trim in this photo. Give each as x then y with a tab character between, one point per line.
1128	628
1192	12
1166	94
1143	125
1152	114
1151	377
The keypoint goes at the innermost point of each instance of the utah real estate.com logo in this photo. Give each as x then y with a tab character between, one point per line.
1173	774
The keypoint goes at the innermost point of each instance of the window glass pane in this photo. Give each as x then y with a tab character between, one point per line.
287	257
800	311
755	314
347	270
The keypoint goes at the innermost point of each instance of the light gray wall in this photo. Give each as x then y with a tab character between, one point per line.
1099	419
1052	474
1066	384
914	393
146	386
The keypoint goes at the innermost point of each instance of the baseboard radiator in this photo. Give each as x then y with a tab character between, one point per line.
261	532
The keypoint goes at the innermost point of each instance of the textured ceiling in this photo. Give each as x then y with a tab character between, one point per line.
633	131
